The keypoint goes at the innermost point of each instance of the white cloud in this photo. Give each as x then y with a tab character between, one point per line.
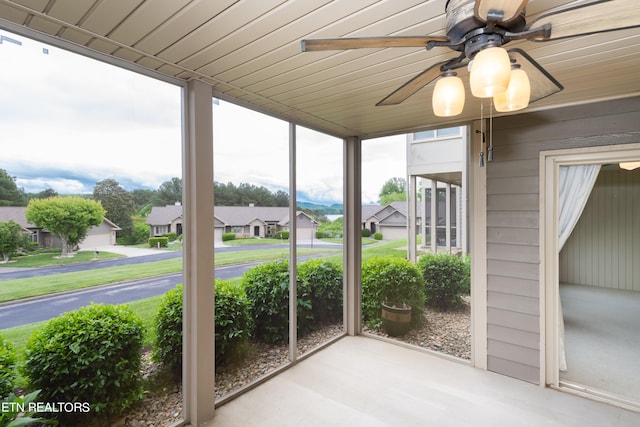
67	122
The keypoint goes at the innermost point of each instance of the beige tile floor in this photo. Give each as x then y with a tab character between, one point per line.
361	381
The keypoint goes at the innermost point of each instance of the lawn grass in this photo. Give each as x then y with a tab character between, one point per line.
15	289
53	258
43	285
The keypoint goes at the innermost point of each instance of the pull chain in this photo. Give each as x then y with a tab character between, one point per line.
481	134
490	148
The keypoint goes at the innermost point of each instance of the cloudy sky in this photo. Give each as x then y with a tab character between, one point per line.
67	122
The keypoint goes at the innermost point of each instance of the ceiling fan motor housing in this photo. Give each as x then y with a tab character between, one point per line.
461	21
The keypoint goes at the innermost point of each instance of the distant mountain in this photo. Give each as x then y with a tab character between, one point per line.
333	209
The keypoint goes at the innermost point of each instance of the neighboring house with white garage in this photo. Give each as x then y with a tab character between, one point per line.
101	235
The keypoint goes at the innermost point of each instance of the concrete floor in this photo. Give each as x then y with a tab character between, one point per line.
361	381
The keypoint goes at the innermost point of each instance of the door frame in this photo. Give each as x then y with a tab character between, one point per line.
550	162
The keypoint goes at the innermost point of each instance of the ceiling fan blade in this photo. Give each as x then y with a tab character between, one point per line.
310	45
542	83
595	17
413	85
510	9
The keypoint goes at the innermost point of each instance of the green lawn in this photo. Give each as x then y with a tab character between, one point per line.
52	258
35	286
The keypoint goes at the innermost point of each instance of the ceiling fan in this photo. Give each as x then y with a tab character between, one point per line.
477	27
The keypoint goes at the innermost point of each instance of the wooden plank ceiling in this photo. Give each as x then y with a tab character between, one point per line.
249	50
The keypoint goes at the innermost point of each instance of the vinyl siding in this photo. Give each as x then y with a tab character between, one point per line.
513	198
604	248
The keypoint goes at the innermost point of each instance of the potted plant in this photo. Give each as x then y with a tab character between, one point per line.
396	318
392	292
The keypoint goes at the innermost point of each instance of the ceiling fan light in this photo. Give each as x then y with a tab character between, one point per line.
490	72
629	165
448	96
518	93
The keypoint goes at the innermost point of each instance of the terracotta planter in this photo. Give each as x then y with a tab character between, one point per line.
396	318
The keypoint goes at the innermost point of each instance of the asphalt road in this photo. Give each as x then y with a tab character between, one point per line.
47	307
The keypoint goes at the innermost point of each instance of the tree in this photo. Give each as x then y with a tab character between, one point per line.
45	194
117	202
142	199
169	193
11	238
67	217
393	190
10	194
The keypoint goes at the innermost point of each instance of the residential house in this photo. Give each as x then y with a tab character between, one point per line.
249	53
390	220
437	164
244	221
101	235
165	219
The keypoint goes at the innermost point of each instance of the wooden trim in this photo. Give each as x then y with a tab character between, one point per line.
478	244
293	247
550	162
198	253
352	248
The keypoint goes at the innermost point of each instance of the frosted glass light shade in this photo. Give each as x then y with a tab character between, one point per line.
448	96
490	72
630	165
517	95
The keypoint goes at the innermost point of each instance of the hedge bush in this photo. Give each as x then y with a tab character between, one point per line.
154	242
267	288
377	236
391	279
446	279
7	366
228	236
323	278
365	232
233	321
167	348
232	325
88	355
284	235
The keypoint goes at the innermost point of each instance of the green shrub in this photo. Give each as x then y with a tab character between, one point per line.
391	279
140	234
267	288
446	278
154	242
323	234
228	236
7	366
88	355
167	349
366	232
323	278
170	236
233	321
232	325
284	235
377	236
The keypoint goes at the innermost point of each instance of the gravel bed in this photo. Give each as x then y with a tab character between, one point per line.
444	332
447	332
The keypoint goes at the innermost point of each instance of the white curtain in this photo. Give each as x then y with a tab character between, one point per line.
576	183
